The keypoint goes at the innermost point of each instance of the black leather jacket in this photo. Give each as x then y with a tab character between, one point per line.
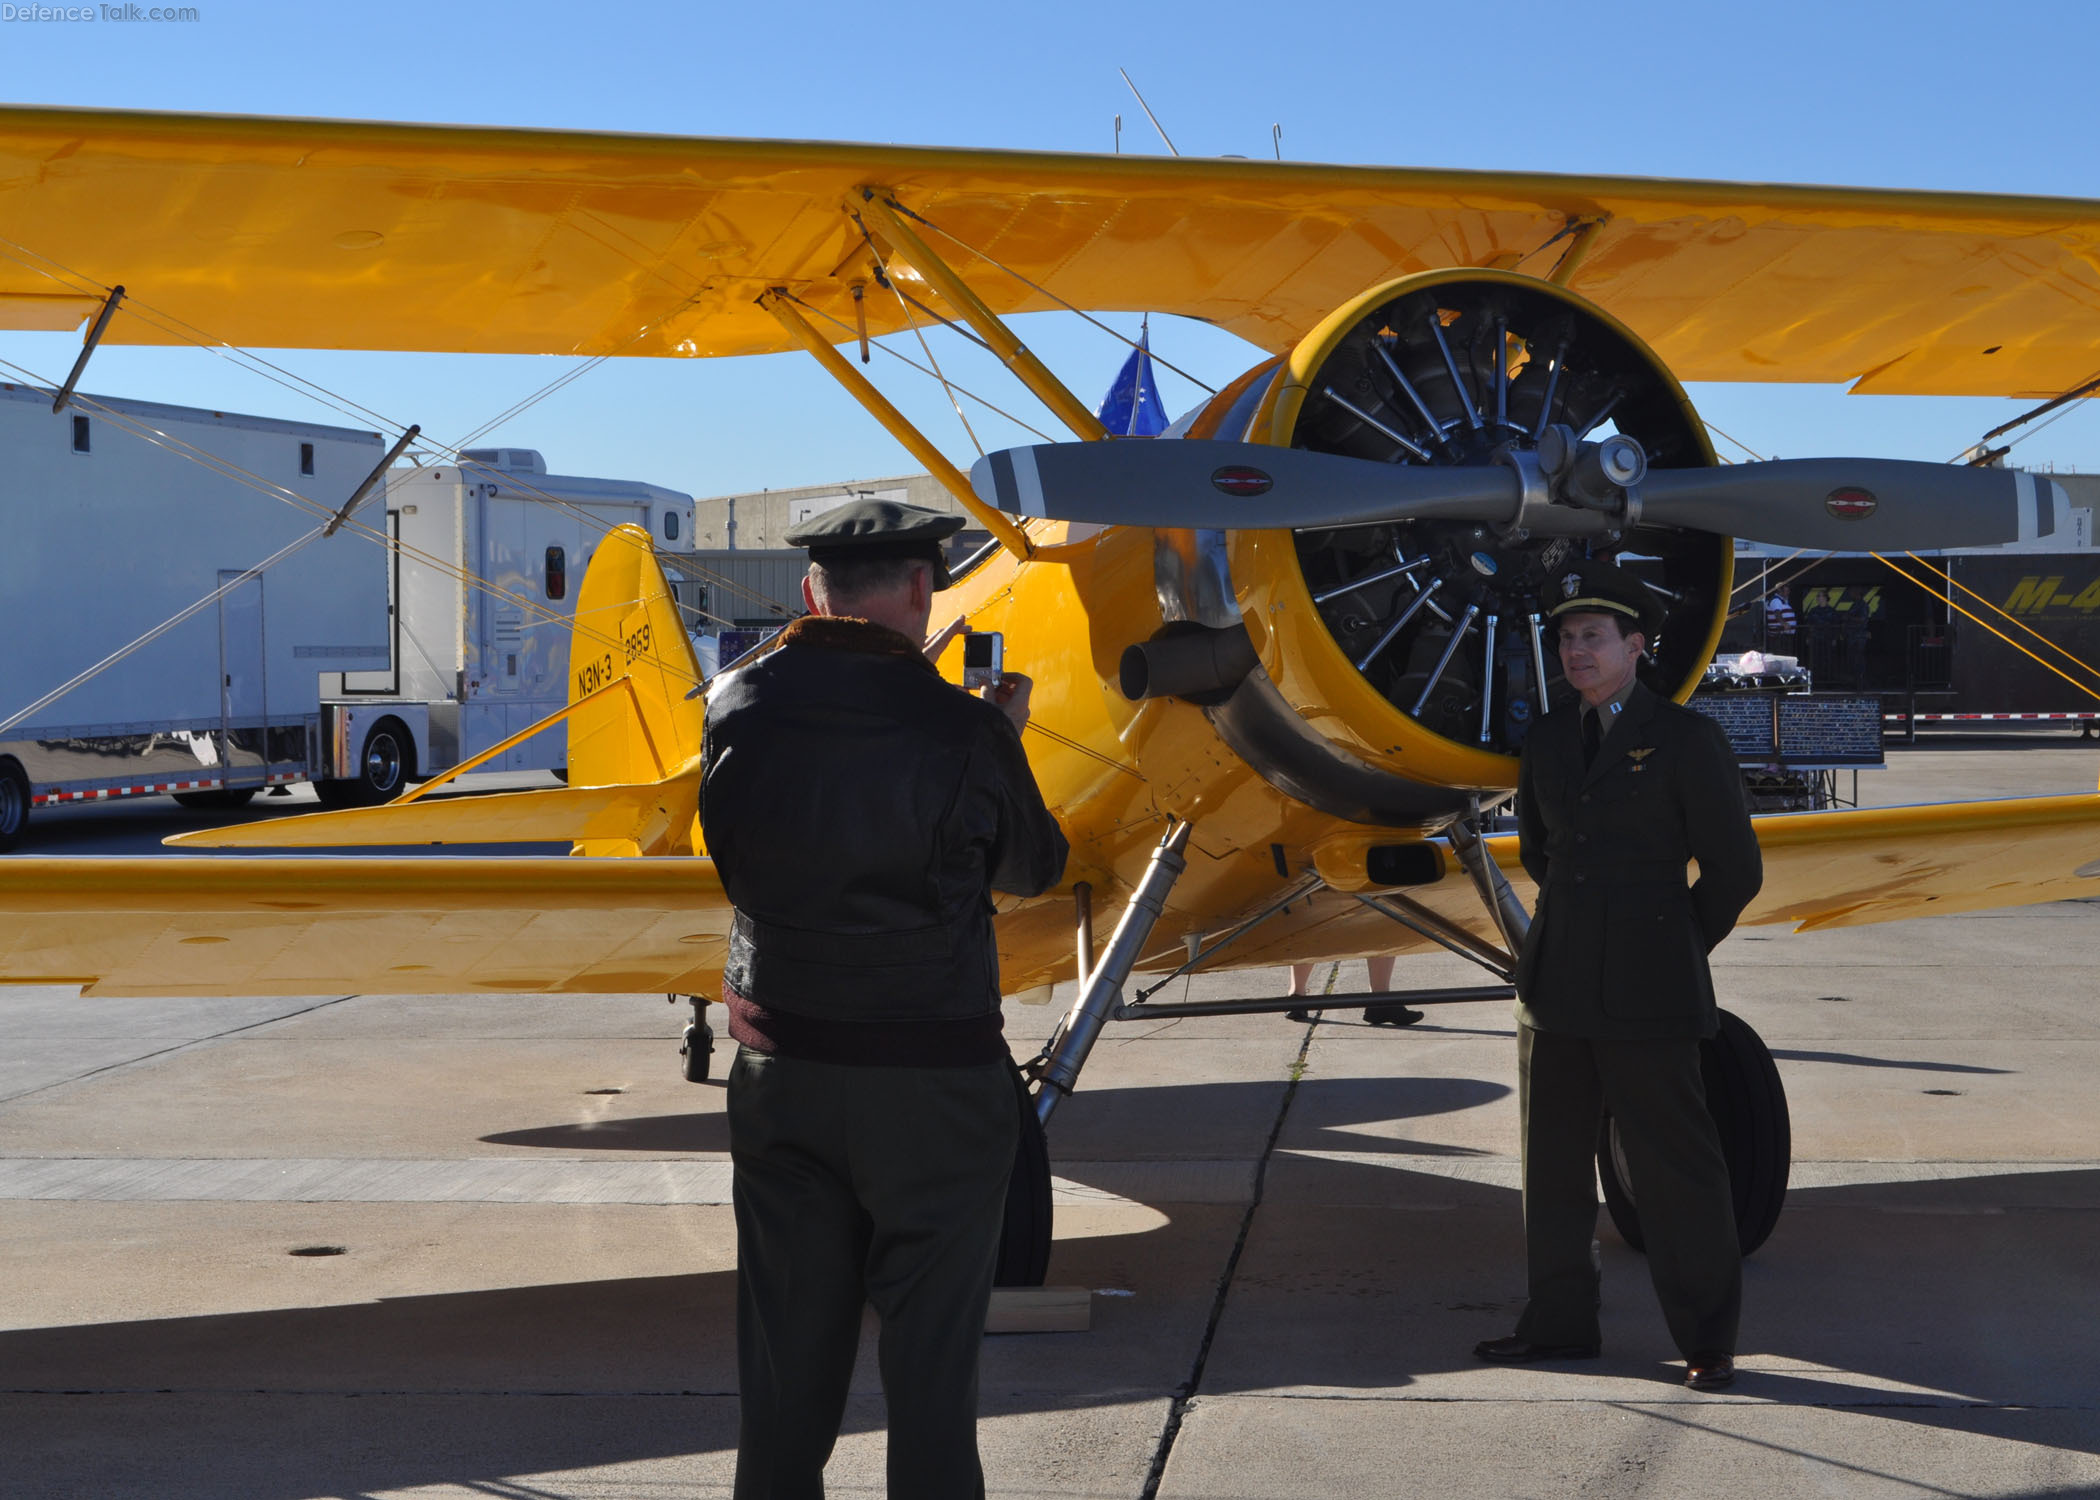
860	810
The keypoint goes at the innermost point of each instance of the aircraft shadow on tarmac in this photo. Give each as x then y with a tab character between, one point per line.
1912	1301
1196	1120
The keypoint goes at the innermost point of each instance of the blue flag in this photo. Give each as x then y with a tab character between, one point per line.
1133	407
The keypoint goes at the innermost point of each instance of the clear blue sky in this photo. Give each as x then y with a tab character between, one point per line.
1916	95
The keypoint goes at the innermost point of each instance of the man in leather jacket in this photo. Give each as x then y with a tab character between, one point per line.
861	810
1617	793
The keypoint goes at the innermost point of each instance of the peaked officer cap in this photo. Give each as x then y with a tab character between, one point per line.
868	529
1601	588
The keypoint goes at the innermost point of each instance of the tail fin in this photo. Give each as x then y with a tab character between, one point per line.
627	626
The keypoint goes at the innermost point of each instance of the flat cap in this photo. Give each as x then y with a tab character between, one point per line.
876	529
1601	588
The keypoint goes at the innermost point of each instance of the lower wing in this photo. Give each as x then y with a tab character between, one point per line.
297	926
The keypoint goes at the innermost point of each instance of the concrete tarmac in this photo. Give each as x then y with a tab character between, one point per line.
480	1246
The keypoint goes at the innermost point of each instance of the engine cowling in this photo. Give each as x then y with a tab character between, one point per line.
1401	664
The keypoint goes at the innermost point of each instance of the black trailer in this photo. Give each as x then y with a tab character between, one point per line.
1860	626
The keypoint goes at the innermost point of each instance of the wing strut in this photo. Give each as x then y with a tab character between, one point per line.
1030	371
87	347
781	306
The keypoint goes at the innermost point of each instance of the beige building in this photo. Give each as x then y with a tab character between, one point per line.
758	523
742	568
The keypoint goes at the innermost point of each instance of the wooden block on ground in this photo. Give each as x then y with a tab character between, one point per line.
1040	1309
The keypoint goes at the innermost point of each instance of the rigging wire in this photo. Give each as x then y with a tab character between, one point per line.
228	469
157	631
884	276
1754	454
1947	575
346	406
877	343
1770	567
187	333
2090	692
1046	292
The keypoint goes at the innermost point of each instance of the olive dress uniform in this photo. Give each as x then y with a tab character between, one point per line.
1615	997
860	810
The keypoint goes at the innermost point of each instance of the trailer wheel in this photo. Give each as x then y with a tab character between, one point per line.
218	797
1748	1103
1024	1241
386	765
14	804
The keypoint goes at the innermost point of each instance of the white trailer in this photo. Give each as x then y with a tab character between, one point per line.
493	662
343	663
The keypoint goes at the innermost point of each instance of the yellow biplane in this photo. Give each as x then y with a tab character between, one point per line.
1284	654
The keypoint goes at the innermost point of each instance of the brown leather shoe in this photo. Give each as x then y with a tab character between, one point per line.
1516	1351
1709	1372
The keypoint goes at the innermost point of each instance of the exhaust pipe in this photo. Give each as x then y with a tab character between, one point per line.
1193	662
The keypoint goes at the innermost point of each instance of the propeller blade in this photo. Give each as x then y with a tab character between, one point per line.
1819	504
1239	486
1858	504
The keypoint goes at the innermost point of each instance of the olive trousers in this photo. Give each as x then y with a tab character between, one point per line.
1676	1171
859	1185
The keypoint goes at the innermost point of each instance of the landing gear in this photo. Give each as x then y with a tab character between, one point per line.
698	1047
1748	1103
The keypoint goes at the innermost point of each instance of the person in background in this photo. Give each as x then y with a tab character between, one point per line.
1380	977
1779	623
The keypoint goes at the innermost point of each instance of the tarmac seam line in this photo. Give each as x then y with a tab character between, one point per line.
183	1046
1186	1396
1672	1402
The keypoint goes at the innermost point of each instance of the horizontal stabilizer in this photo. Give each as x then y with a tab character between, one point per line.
640	814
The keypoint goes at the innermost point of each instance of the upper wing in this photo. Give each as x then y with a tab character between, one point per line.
308	233
261	926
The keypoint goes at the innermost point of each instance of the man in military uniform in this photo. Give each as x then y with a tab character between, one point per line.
1617	792
861	810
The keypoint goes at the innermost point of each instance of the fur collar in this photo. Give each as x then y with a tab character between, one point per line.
845	633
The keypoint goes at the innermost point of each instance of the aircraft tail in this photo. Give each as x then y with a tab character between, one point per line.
628	628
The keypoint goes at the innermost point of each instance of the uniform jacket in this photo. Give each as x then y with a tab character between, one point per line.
1618	943
860	810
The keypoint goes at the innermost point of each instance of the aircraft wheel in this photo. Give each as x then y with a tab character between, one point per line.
1748	1102
386	765
14	804
698	1050
1024	1243
224	797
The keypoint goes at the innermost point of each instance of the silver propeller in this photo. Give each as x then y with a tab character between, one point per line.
1822	504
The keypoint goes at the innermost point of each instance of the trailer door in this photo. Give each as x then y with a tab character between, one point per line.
243	690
